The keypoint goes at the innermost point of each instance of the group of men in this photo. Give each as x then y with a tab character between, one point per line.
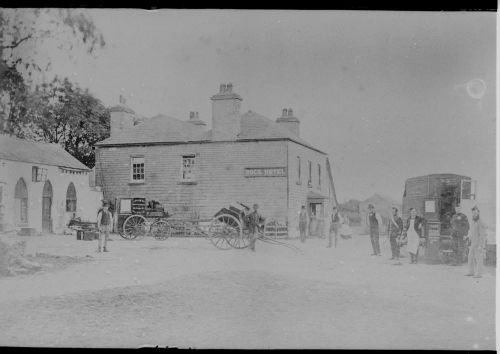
462	233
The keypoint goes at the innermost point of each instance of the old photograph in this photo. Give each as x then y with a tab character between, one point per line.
248	179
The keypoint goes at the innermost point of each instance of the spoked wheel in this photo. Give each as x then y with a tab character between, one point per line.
134	227
225	231
161	230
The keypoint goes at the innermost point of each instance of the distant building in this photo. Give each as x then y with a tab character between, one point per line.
193	171
42	186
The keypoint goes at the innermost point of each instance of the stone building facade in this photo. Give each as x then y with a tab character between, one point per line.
194	172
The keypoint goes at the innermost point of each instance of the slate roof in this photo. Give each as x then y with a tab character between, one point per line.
16	149
164	129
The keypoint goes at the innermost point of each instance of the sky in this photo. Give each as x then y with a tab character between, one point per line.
388	95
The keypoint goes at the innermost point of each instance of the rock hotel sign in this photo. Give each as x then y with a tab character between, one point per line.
265	172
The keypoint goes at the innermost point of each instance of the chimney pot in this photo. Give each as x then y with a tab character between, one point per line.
191	115
222	88
229	87
290	112
285	112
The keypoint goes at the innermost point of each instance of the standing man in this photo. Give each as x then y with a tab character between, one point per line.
394	230
303	223
335	223
459	229
105	225
477	248
373	220
255	221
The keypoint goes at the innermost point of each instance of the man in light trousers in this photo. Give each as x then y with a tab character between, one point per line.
477	249
105	225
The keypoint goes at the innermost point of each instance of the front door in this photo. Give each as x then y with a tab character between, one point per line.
47	207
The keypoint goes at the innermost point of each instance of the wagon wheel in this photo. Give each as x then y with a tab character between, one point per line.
161	230
134	226
271	228
224	231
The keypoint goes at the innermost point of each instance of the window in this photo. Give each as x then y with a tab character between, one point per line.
71	198
137	169
38	174
21	201
319	175
187	173
309	181
298	169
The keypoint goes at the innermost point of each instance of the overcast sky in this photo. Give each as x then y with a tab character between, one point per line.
383	93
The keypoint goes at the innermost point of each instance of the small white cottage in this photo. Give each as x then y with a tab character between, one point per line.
42	187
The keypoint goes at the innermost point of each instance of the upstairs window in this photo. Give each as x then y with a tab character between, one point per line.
38	174
137	169
187	173
319	175
309	181
298	170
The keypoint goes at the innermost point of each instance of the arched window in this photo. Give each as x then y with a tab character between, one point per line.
21	201
71	198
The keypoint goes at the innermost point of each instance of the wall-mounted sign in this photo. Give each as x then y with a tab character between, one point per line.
430	206
265	172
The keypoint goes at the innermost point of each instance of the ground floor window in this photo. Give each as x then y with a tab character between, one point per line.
71	198
21	202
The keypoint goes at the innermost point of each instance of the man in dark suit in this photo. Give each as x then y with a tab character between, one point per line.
394	230
459	229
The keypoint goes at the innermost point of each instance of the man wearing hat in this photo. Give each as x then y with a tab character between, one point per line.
105	225
373	221
394	229
254	220
303	223
477	249
335	224
459	229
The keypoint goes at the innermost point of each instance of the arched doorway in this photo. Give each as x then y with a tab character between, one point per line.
21	202
47	207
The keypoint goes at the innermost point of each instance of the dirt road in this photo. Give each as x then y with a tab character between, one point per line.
185	293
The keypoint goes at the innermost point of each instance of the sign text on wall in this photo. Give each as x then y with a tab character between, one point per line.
265	172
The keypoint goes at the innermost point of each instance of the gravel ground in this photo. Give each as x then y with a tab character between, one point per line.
185	293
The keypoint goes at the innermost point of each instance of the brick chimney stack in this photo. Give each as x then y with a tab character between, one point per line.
121	117
226	120
289	122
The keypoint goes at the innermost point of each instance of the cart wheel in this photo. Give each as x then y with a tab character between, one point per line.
161	230
134	226
224	231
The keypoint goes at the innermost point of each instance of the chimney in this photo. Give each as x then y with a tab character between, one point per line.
226	114
121	117
289	122
196	121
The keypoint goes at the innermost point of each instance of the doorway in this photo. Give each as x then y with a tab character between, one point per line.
47	207
448	201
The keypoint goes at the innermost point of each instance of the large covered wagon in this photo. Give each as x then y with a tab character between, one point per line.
435	197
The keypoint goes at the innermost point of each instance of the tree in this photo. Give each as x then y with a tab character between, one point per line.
61	112
23	32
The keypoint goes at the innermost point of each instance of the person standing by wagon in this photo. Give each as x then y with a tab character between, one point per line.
335	224
477	249
255	221
459	229
303	223
413	230
105	225
394	230
373	221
